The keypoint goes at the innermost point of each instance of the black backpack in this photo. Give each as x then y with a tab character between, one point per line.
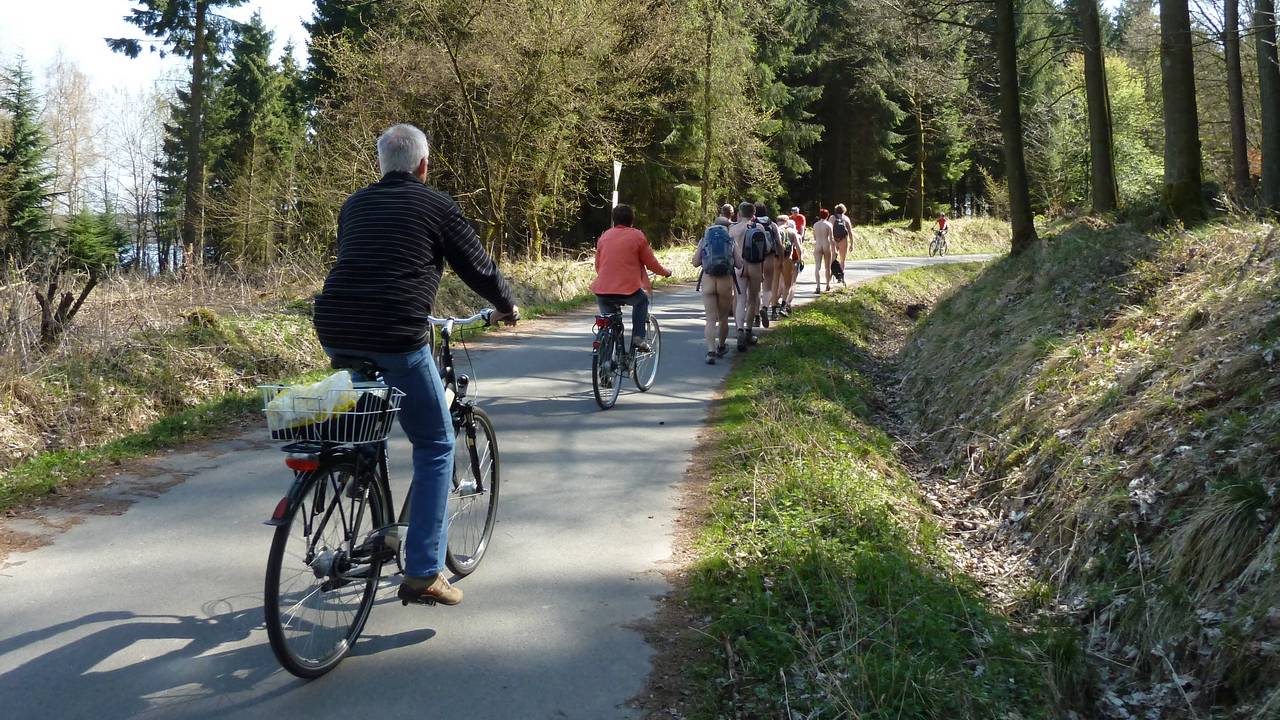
755	246
840	227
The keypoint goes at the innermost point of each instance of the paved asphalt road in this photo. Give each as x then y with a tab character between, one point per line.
155	611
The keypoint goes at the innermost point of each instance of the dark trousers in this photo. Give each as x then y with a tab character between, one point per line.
639	302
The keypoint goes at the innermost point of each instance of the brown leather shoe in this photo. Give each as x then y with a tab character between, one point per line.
428	591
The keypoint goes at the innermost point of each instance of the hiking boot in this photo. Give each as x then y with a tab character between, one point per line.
711	358
721	350
641	345
428	591
764	317
751	338
785	311
817	290
742	340
773	313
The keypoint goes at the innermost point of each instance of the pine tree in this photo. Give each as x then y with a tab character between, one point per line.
26	179
1264	21
1182	163
171	183
334	22
189	29
249	133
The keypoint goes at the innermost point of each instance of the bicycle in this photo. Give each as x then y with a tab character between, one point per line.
335	529
611	358
938	246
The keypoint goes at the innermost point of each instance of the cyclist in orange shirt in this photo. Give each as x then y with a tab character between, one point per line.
622	255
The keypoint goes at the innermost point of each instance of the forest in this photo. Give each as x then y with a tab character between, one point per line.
1042	484
899	108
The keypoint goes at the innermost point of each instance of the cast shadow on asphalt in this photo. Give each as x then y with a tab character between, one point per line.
194	668
583	398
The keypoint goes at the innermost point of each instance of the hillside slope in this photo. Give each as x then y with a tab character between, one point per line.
1112	398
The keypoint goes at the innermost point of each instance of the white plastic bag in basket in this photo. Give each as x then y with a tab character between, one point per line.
300	405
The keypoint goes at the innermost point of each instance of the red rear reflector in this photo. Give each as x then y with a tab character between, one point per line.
595	344
302	464
281	508
602	322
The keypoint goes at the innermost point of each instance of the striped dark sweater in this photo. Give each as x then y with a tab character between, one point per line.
394	237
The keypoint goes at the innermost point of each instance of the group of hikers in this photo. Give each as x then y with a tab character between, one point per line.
749	259
750	262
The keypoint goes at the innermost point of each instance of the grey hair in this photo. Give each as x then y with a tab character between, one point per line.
401	147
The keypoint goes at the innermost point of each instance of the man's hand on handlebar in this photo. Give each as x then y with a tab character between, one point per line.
510	318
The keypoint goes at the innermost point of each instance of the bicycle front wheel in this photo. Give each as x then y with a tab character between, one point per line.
645	368
320	584
473	500
603	382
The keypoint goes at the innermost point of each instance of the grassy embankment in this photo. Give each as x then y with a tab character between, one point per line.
153	365
824	577
1114	397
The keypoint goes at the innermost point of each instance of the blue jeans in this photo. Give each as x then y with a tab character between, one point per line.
425	419
639	302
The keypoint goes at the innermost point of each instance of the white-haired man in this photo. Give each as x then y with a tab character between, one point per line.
394	237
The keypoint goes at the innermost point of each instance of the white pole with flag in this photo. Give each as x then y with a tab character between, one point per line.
617	173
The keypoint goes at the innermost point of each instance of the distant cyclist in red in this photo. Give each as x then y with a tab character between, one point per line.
942	222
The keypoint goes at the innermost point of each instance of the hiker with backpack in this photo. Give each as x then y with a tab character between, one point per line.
842	231
720	259
752	240
772	259
788	259
823	247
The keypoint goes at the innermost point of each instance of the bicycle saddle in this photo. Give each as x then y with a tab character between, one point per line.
361	365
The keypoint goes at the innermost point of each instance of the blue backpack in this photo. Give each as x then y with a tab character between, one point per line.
717	251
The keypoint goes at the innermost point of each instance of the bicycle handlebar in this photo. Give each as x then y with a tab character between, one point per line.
480	318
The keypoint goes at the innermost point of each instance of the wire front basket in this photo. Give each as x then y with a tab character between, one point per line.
363	414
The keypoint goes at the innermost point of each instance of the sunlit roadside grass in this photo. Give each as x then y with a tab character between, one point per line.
827	590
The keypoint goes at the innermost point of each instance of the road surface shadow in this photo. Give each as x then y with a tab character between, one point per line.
155	664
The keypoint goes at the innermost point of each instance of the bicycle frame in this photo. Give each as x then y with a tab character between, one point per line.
315	455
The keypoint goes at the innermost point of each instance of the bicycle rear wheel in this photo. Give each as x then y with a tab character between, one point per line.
603	383
319	592
645	367
473	500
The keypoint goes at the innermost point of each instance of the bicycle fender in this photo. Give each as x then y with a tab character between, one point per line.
291	500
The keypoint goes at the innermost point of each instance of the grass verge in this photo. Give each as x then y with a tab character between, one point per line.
825	582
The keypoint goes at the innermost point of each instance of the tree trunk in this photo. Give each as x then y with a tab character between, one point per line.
706	112
917	181
55	321
1243	189
1101	146
192	227
1264	22
1182	172
1021	218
